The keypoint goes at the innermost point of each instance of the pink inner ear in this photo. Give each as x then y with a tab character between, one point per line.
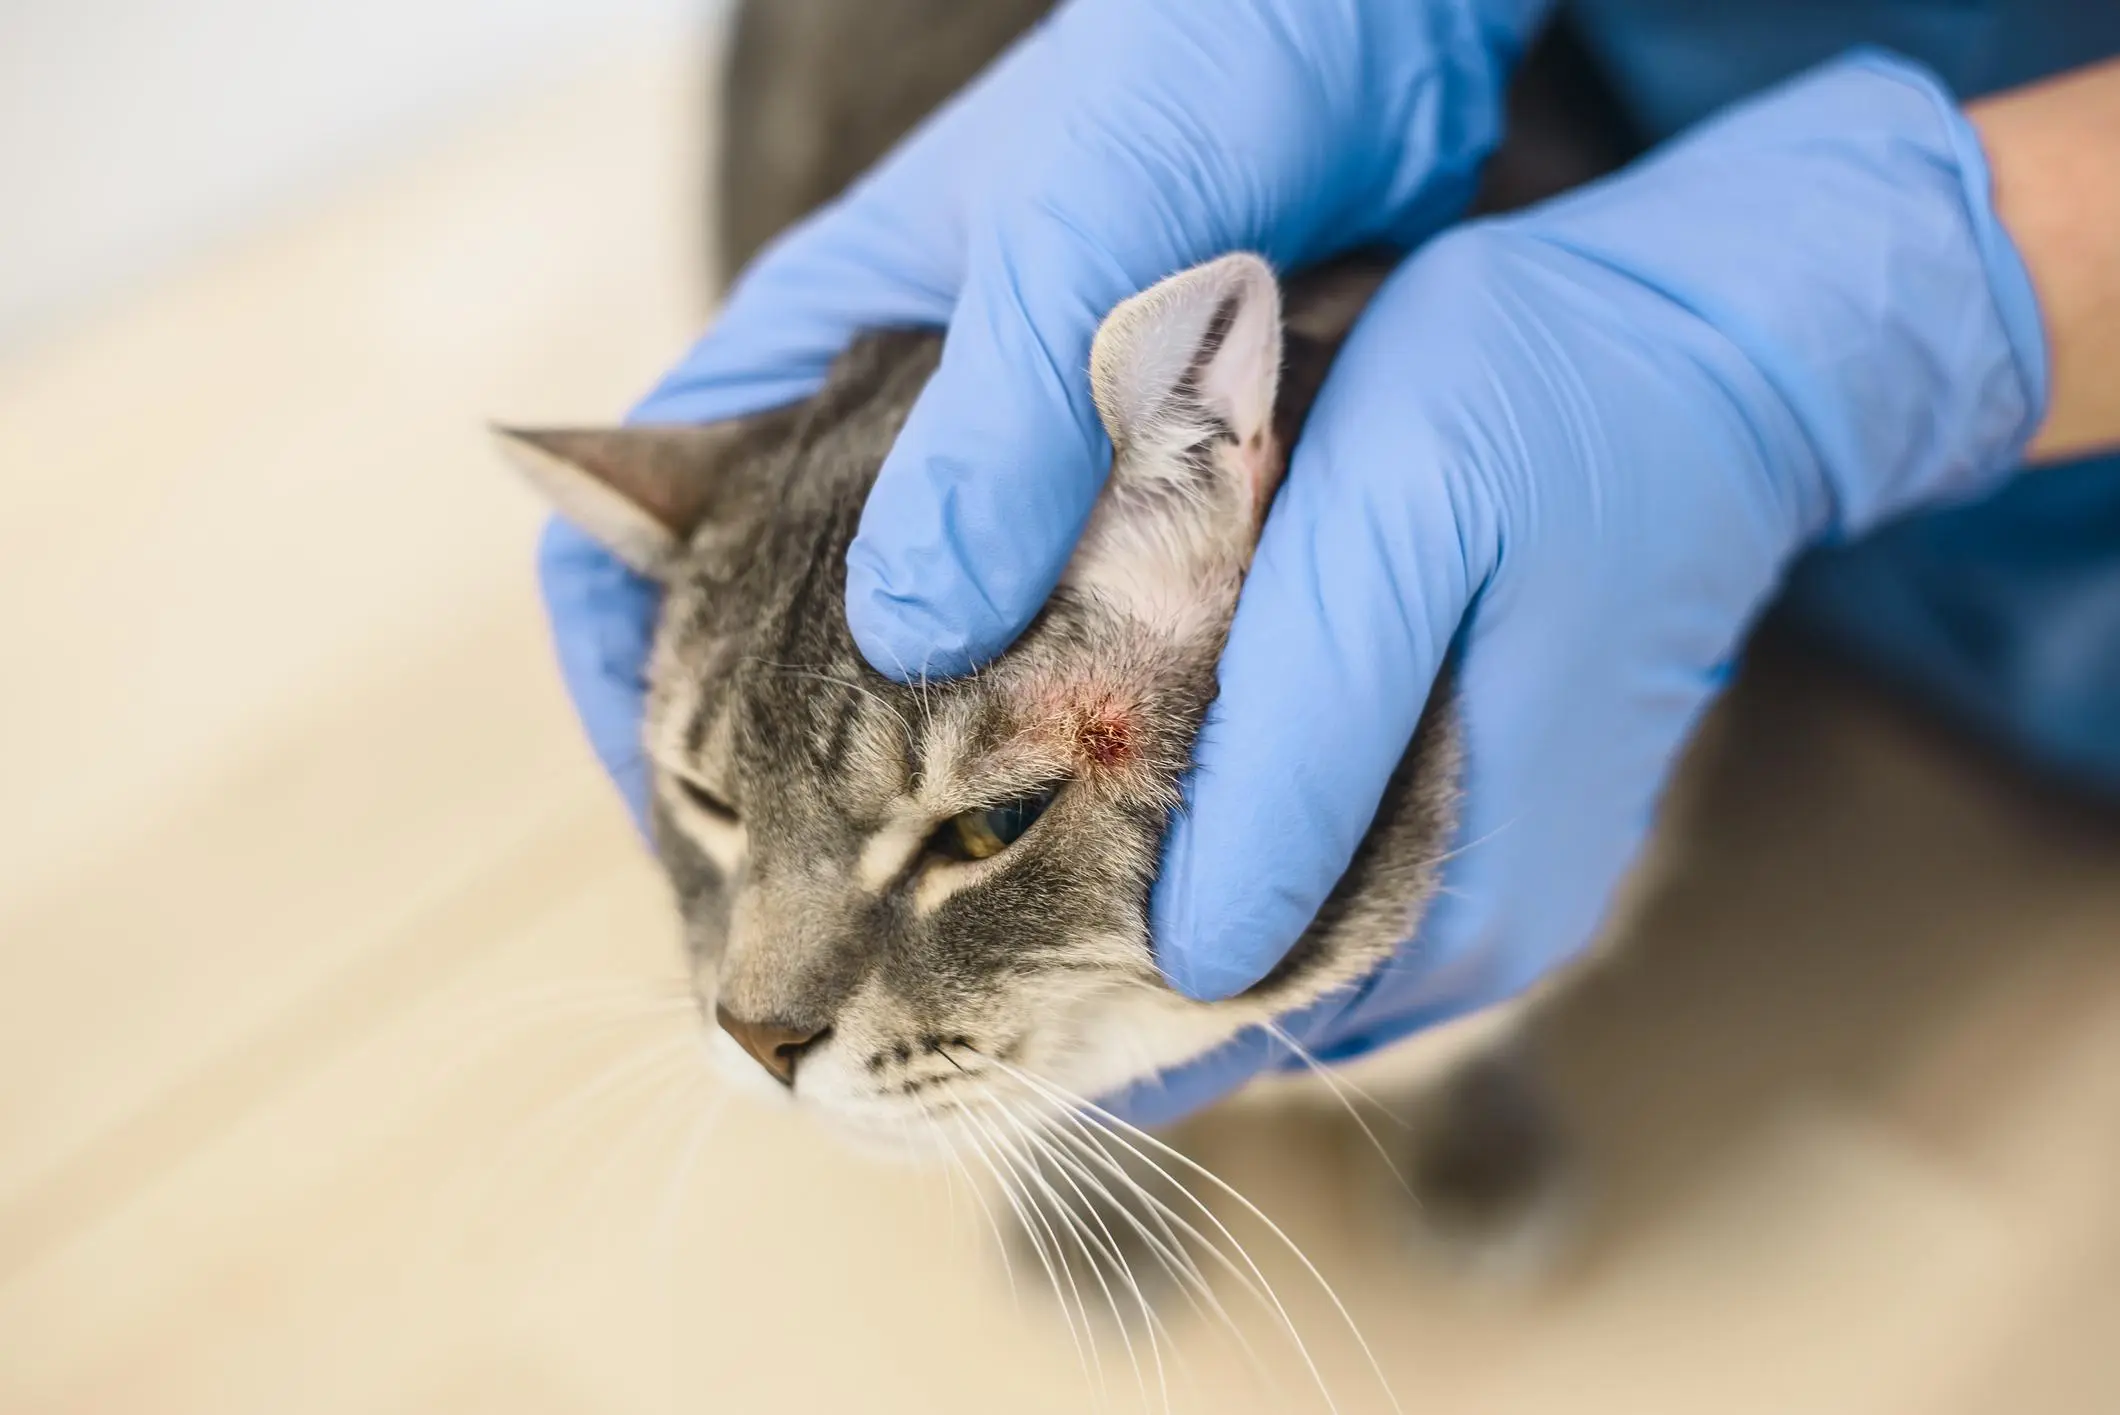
1239	385
1244	373
1259	463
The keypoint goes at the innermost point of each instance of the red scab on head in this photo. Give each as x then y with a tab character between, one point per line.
1104	736
1089	721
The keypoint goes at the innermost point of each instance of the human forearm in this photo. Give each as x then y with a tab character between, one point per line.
2054	151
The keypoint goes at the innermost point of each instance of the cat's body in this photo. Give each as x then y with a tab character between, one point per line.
922	909
815	91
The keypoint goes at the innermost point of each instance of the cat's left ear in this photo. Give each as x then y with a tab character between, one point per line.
1185	375
642	492
1194	359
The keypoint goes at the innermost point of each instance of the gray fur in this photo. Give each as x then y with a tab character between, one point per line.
1042	962
818	90
758	692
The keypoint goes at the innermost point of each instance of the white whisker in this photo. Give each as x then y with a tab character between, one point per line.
1334	1084
1025	1213
1466	848
1090	1143
503	1020
630	1071
1255	1282
1107	1118
1060	1162
920	690
1183	1274
957	1165
666	1090
1029	1167
666	1234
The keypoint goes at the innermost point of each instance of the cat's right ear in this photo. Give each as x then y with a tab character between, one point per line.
639	491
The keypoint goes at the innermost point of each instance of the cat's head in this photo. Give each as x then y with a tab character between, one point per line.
902	899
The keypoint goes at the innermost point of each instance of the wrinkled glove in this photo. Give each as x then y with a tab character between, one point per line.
1592	436
1121	141
1595	435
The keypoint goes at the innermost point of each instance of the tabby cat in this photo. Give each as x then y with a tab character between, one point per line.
922	909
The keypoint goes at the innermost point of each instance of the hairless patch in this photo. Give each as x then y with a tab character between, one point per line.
1091	720
1104	735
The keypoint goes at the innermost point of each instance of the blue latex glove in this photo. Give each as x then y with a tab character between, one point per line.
1120	142
1602	430
2004	615
1597	432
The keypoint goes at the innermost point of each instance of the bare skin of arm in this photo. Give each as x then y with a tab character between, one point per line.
2054	148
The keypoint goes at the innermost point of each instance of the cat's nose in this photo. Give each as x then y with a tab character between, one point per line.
773	1046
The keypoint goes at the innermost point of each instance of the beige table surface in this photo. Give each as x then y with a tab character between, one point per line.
319	1092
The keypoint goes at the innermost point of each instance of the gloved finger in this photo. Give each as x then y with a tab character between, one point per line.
980	503
1568	744
990	484
846	269
1366	566
603	618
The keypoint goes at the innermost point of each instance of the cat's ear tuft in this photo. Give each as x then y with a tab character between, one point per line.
1192	358
640	491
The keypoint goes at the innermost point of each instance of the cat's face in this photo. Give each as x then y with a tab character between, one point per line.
892	895
907	902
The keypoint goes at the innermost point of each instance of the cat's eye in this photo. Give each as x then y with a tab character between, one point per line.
986	832
706	800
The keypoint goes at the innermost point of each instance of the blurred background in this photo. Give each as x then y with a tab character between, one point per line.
336	1066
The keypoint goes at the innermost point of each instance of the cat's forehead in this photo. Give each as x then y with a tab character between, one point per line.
815	724
784	698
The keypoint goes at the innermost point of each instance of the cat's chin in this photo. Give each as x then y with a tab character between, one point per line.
1130	1035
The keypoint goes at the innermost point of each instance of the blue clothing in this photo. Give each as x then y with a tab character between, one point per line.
2005	614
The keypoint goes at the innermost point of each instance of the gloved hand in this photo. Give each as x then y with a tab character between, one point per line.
1121	141
1595	434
